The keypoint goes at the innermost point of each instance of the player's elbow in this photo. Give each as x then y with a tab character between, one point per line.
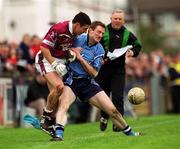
43	49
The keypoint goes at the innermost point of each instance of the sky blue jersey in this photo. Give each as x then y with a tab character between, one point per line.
92	54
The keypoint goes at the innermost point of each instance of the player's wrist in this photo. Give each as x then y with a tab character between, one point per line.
54	64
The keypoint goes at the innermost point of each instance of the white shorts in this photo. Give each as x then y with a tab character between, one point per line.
43	66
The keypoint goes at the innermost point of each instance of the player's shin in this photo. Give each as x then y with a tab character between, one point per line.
119	121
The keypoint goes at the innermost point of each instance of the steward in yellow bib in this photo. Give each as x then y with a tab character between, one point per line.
174	73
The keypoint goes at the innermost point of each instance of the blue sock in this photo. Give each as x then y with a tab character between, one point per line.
59	130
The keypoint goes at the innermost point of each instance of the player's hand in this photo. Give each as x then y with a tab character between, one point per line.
59	68
72	56
129	53
77	51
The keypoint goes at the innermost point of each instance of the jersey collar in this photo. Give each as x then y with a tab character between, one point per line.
88	42
122	28
71	27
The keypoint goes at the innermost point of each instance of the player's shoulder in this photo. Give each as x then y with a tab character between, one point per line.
100	48
99	45
60	26
82	37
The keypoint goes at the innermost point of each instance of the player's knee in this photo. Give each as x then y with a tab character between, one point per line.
59	89
52	95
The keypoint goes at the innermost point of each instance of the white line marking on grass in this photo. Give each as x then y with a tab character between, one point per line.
101	134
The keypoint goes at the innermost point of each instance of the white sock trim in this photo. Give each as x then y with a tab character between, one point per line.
48	111
127	129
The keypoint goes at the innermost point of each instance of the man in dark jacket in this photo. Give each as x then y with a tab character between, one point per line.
112	74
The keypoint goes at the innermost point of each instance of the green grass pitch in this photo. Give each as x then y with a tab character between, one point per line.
160	132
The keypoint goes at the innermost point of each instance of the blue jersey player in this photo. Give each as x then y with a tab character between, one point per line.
79	82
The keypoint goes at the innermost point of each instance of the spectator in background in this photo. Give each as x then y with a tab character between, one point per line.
35	45
11	60
174	73
4	53
25	62
37	94
112	74
24	48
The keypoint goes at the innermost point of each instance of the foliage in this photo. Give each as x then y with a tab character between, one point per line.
151	37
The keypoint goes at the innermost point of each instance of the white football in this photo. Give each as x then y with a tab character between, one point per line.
136	95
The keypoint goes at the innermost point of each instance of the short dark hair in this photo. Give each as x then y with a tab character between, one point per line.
97	23
82	18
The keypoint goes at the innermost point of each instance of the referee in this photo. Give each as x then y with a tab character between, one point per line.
112	74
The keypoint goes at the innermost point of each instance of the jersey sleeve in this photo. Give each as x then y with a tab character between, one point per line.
80	40
98	59
50	39
135	43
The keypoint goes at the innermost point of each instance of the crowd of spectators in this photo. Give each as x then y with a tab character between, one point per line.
18	58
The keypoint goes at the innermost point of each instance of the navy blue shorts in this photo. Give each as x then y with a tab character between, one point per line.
84	88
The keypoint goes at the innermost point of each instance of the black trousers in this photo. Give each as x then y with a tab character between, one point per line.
112	80
175	95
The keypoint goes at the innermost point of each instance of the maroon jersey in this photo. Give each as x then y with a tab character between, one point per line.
58	39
